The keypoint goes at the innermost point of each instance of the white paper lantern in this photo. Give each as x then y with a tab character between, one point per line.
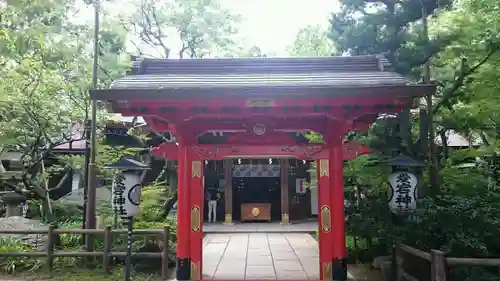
126	193
402	192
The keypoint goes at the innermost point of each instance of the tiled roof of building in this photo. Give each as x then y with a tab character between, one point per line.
342	71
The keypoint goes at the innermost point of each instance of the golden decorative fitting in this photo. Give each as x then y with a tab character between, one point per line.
327	271
323	168
196	169
195	271
260	102
285	218
326	224
195	219
228	218
255	212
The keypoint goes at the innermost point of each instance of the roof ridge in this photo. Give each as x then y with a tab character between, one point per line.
365	63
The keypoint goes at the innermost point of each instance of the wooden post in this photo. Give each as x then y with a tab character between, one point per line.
438	266
228	191
396	263
196	218
50	247
108	237
325	240
285	213
183	268
164	256
336	171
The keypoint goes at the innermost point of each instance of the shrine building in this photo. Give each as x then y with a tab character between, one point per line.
238	127
281	187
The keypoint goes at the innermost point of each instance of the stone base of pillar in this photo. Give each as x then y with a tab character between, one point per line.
183	270
285	219
228	219
339	270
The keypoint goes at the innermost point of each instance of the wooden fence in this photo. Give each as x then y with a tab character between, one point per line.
52	233
439	264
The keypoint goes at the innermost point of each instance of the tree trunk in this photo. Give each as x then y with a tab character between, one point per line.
46	205
424	132
405	131
169	205
444	143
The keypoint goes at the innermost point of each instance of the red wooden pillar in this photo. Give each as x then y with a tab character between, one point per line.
196	216
285	202
228	191
183	215
336	167
324	219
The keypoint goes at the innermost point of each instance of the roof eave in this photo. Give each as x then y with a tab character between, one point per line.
121	94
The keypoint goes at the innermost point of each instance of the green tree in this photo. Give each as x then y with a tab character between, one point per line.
390	28
393	29
464	56
199	27
46	67
254	51
470	107
311	41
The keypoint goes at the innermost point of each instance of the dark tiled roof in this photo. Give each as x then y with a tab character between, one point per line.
337	79
348	71
77	141
259	77
127	164
260	65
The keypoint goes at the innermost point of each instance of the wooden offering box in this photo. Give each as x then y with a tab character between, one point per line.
256	212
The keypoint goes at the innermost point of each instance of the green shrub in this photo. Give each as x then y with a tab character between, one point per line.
15	264
153	198
69	216
66	211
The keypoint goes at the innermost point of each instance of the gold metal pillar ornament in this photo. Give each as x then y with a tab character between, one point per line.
195	219
326	221
195	271
285	219
323	168
327	271
196	169
228	219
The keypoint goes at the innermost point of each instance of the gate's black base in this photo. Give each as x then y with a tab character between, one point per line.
183	269
339	269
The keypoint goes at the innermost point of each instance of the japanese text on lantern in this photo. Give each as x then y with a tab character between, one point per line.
402	191
118	200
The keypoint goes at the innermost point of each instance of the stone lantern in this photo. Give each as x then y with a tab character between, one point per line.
12	203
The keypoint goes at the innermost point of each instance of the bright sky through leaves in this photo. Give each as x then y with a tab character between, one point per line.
272	25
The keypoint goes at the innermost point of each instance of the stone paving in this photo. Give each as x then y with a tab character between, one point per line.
262	227
237	256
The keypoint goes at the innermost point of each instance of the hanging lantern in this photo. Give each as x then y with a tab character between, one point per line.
403	184
126	187
402	192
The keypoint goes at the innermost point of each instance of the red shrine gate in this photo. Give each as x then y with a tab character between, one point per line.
261	105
